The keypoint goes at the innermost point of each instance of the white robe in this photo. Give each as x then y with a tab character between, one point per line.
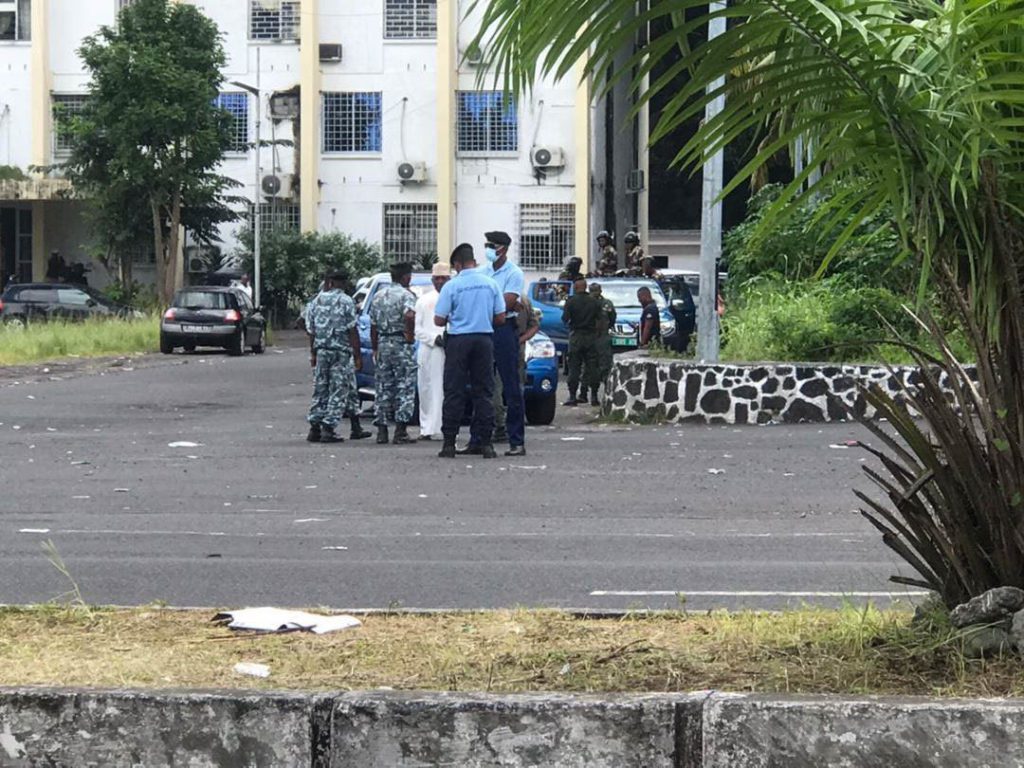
430	360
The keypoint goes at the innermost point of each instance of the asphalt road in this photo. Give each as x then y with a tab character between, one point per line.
596	516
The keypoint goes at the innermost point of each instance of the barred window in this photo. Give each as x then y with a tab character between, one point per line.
352	122
488	122
237	105
410	19
547	234
274	19
278	216
16	20
66	106
410	232
122	4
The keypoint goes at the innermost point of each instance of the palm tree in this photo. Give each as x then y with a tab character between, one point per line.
919	103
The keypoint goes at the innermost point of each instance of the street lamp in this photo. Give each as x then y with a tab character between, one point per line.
257	218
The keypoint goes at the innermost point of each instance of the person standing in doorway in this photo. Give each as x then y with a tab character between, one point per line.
471	306
582	314
430	358
392	334
510	281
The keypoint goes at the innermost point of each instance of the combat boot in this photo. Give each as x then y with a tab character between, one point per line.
448	450
314	434
572	401
488	452
401	435
358	433
328	435
382	435
593	397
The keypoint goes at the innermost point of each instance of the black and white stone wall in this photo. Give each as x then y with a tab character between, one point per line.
646	389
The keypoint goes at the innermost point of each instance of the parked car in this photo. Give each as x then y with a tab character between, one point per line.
31	302
549	297
213	316
540	390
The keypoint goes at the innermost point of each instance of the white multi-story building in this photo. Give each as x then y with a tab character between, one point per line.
396	139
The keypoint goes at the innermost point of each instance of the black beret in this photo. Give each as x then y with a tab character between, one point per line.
498	238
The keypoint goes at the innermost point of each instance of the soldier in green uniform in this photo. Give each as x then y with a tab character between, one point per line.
582	313
634	255
608	264
392	334
335	357
606	321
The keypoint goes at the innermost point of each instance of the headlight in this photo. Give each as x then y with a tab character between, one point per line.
545	386
668	327
539	349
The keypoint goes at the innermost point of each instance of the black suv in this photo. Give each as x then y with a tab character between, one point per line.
28	302
213	316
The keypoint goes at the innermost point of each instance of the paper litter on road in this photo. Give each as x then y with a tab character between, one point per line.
253	670
312	520
122	490
184	444
280	620
423	496
335	549
34	530
524	466
573	439
716	471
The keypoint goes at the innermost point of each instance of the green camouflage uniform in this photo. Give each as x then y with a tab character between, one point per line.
605	323
633	261
609	263
395	374
330	317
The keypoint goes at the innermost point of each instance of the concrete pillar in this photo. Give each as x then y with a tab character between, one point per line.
39	252
582	158
447	85
42	124
309	54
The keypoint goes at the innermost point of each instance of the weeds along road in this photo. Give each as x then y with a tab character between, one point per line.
187	480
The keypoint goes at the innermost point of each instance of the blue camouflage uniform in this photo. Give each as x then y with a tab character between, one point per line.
395	375
330	316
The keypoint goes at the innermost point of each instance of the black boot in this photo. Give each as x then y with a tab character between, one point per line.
314	434
401	435
488	452
593	397
448	450
328	435
358	433
572	401
471	450
382	435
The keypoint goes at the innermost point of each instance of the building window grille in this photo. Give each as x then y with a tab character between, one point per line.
352	123
16	21
122	4
488	123
66	107
410	19
274	20
237	105
278	216
547	234
410	232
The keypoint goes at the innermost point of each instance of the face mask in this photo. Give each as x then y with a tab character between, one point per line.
491	254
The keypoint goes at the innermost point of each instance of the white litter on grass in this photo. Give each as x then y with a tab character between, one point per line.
334	549
716	471
253	670
280	620
184	444
573	439
34	530
312	520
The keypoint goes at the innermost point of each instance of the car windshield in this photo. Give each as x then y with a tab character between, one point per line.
201	300
622	294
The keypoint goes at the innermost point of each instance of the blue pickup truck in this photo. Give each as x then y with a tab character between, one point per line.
549	297
541	385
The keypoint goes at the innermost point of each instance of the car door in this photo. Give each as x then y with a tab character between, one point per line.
74	304
37	302
250	323
548	296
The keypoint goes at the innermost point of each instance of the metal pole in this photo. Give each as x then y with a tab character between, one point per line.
257	218
711	219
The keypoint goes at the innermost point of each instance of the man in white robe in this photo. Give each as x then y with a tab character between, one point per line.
430	358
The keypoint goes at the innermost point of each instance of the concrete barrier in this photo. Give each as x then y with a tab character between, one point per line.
81	728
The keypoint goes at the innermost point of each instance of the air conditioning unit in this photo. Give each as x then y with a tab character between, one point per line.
547	157
200	259
282	185
415	173
636	182
473	56
330	52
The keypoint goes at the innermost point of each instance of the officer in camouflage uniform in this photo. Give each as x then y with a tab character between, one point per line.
634	255
605	322
335	357
608	264
582	313
392	333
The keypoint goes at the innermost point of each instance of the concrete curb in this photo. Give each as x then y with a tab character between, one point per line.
69	727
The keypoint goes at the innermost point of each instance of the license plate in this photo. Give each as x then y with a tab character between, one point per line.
624	342
195	328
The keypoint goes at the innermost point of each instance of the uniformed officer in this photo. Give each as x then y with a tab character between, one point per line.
608	263
471	306
571	270
582	313
392	334
634	255
648	269
606	321
527	326
335	358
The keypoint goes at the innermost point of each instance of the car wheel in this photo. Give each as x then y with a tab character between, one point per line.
237	346
260	345
541	411
166	347
15	321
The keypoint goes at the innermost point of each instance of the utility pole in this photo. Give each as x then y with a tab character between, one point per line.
708	342
257	218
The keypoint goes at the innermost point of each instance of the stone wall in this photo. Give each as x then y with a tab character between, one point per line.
83	728
644	389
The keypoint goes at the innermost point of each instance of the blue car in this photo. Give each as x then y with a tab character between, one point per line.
541	386
549	297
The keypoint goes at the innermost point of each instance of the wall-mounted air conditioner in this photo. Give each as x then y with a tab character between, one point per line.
414	173
547	158
330	52
278	185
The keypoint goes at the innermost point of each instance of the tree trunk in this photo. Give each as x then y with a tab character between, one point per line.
173	241
161	256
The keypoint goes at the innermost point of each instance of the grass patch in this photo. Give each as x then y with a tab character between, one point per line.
852	651
39	342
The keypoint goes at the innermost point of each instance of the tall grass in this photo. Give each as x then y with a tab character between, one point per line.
38	342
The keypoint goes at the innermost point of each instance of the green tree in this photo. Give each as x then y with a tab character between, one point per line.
919	104
149	139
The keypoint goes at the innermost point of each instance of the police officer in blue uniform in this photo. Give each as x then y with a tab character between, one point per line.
471	306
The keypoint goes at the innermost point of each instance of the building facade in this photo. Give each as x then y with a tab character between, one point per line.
394	136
